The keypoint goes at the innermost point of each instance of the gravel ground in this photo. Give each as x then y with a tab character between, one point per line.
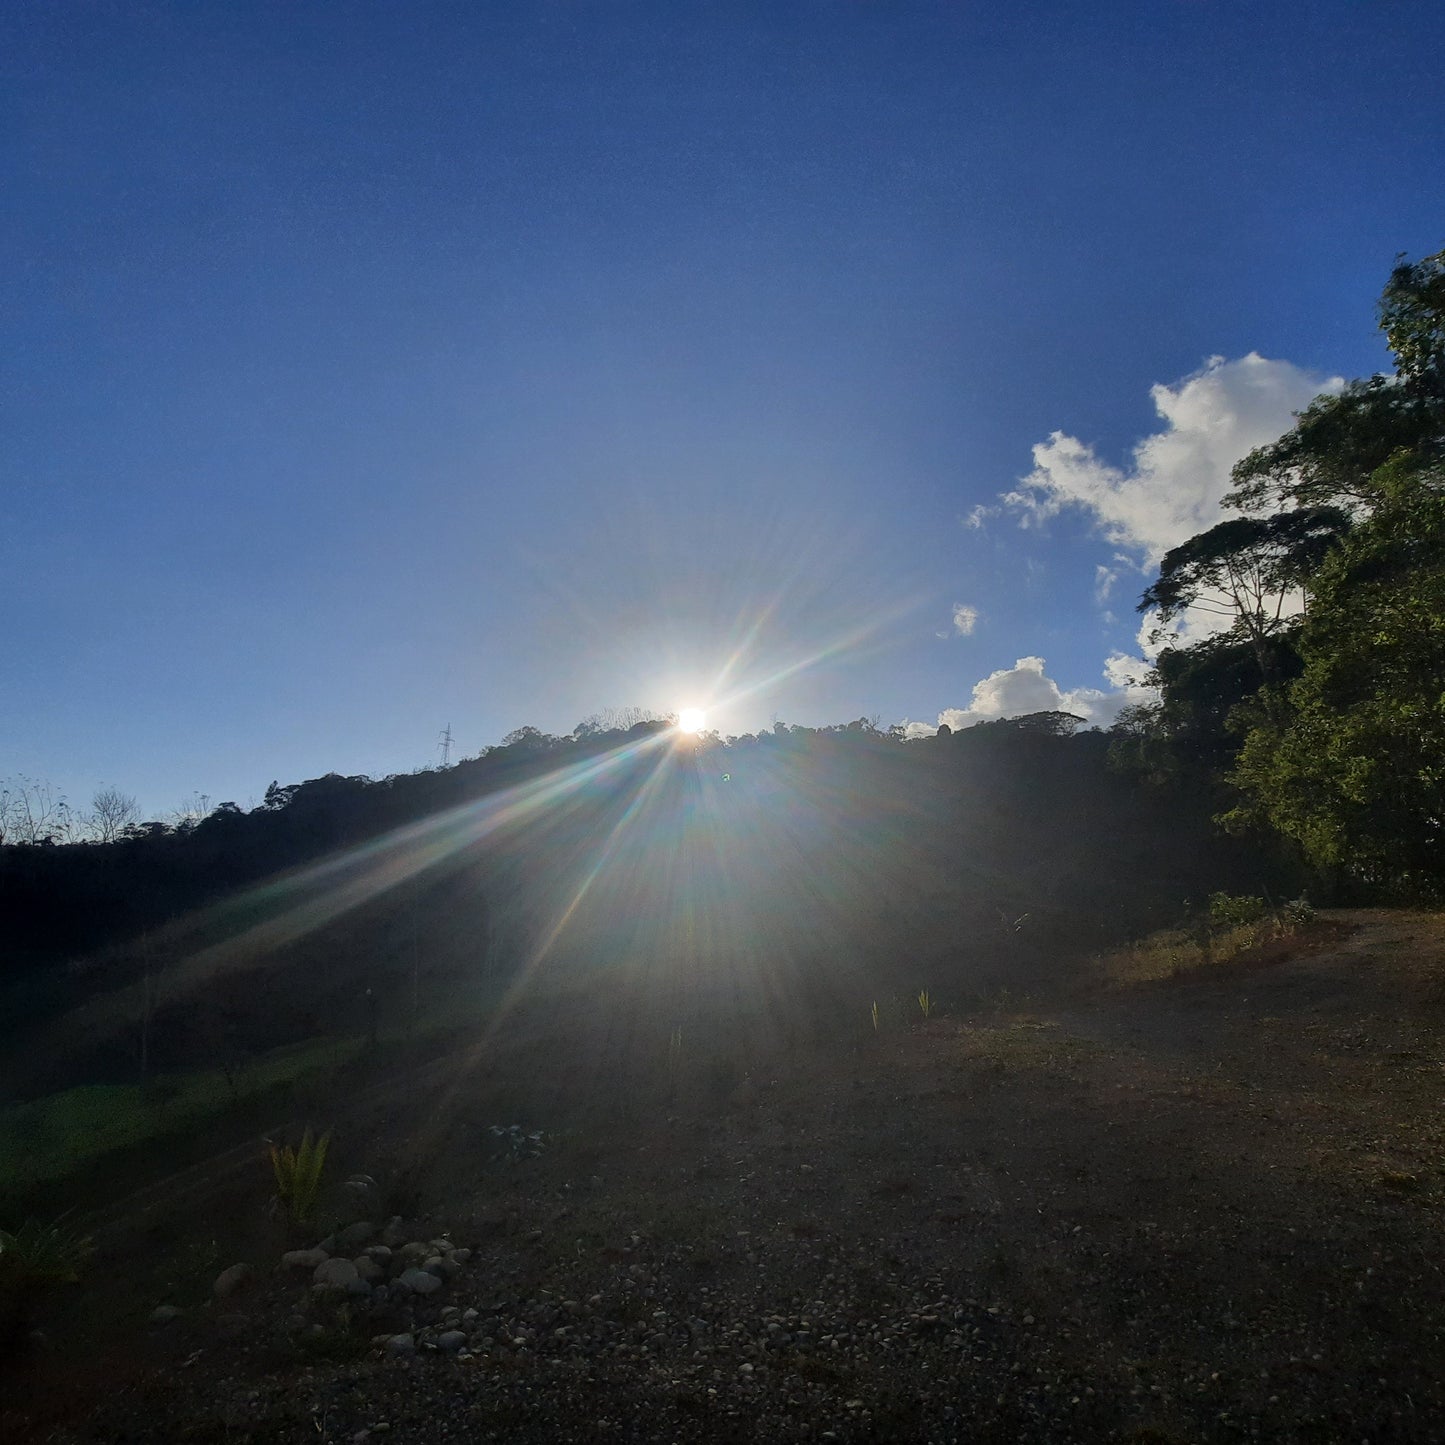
1206	1210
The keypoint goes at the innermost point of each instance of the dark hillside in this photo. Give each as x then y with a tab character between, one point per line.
833	864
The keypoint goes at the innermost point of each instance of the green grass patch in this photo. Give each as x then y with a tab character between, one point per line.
47	1139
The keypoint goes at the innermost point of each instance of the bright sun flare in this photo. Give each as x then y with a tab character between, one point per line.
691	719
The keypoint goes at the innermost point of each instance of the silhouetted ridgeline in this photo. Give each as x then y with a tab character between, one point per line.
798	864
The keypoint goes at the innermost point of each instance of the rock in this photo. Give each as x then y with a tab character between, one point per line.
416	1252
392	1233
336	1274
442	1267
461	1255
418	1281
303	1258
368	1268
355	1235
381	1253
401	1344
232	1281
451	1341
358	1286
164	1314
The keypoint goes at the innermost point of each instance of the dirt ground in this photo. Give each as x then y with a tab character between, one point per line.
1204	1209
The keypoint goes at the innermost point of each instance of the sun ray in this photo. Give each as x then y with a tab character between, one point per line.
316	895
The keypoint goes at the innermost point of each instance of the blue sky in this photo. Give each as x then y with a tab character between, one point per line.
374	367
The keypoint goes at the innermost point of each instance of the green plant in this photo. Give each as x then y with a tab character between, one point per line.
42	1254
298	1175
925	1003
1298	913
1235	910
875	1016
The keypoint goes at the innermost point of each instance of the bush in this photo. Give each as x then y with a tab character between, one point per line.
1297	913
1235	910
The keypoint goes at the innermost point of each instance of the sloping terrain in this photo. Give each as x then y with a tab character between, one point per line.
1208	1209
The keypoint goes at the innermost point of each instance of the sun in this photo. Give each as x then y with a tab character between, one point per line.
691	719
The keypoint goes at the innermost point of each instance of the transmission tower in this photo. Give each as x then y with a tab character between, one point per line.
446	741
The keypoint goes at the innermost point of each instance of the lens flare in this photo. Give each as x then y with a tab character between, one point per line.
691	719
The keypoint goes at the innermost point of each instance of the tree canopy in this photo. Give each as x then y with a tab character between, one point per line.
1335	737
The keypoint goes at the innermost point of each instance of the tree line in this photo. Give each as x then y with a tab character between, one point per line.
802	859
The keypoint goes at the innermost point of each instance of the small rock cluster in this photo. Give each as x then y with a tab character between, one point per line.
380	1268
391	1270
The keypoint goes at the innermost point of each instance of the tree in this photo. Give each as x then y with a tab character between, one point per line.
191	811
1189	731
1054	724
1341	710
527	739
1332	454
34	812
111	813
609	720
278	797
1412	316
1354	769
1246	569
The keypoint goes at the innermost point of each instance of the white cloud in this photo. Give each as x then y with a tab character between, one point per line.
1026	687
1126	673
965	619
1177	476
1009	692
1171	489
1185	630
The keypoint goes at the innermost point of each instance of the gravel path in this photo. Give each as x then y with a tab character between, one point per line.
1204	1211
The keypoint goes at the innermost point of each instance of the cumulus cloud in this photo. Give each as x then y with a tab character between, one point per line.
1026	687
965	619
1171	488
1175	479
1127	674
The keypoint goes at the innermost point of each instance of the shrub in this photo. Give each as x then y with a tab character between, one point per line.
1298	913
1235	910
